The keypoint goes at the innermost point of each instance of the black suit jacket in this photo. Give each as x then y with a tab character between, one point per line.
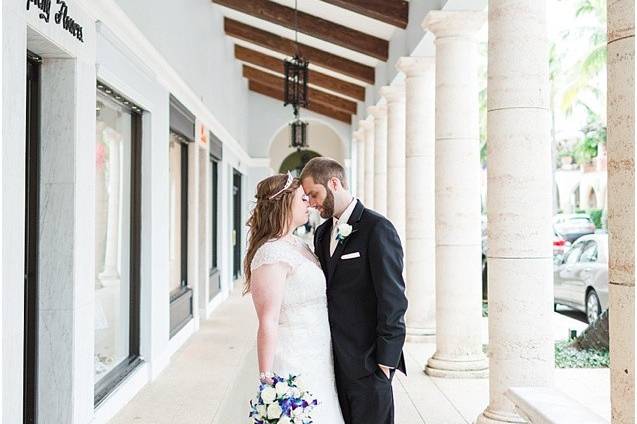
365	295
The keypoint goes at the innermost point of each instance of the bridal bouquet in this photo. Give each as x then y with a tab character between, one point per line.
285	401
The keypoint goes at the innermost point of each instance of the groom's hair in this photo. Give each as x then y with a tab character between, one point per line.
322	169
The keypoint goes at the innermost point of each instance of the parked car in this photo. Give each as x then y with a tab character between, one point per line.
572	226
559	246
580	279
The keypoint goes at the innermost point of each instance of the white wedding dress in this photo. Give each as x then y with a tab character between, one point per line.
304	343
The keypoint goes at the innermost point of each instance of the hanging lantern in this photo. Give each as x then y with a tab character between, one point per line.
298	134
295	85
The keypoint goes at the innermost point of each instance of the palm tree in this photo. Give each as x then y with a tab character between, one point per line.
584	76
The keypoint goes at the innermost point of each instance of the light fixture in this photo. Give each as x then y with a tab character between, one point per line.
298	134
296	75
295	90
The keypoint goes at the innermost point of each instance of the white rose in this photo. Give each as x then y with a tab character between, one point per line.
284	420
261	411
274	411
298	412
344	229
268	395
281	388
296	393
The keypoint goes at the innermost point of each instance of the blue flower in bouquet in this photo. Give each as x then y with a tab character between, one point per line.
285	401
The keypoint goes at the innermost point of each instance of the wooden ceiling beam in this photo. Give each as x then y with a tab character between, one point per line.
392	12
318	79
336	102
277	93
312	25
286	46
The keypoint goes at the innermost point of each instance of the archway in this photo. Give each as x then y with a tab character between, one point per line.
322	140
295	161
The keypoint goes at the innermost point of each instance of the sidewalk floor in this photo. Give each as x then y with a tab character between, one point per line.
191	389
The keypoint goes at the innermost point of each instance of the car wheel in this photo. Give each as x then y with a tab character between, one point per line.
593	307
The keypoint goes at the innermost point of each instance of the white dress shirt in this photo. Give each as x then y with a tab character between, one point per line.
343	218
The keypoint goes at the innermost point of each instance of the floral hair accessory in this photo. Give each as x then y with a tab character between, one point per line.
288	183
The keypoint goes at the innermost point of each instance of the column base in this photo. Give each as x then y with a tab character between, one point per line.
420	335
490	417
477	367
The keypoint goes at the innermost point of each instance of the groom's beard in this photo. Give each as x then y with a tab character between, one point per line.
327	208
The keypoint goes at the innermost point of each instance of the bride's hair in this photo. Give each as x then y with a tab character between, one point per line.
270	217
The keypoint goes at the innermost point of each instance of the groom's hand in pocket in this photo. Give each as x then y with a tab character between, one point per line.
386	370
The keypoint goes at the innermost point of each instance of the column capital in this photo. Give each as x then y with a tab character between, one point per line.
378	111
454	23
359	134
367	123
413	66
393	93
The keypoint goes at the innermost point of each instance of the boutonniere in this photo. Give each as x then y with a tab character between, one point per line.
343	231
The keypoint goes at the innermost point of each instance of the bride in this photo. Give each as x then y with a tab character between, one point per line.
288	291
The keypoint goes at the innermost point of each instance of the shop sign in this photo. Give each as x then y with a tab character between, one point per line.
203	134
61	17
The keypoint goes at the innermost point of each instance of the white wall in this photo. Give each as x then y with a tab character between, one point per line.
268	116
321	138
190	35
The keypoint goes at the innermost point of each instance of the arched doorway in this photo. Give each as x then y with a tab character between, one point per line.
323	141
295	161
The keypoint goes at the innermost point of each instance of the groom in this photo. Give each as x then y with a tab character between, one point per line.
362	259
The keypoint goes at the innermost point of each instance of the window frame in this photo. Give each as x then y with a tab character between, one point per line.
111	380
181	298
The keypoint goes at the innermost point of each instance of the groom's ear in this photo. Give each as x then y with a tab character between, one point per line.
336	184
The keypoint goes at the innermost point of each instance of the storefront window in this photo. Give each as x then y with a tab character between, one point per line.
178	219
182	135
214	276
116	237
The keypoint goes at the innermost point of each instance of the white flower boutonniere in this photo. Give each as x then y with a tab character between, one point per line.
343	231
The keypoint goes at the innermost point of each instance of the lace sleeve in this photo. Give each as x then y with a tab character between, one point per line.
272	253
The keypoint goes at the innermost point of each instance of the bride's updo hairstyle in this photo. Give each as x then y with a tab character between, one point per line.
270	217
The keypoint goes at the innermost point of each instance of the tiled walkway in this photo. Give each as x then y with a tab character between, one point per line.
193	386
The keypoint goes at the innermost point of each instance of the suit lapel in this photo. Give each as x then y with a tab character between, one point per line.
354	219
323	252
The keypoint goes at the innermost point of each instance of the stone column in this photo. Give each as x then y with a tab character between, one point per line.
359	137
379	112
419	183
519	205
395	96
368	128
458	227
622	186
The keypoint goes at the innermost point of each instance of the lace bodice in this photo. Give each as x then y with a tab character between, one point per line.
304	344
305	282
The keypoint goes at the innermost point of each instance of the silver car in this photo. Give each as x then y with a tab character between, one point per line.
570	227
581	276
